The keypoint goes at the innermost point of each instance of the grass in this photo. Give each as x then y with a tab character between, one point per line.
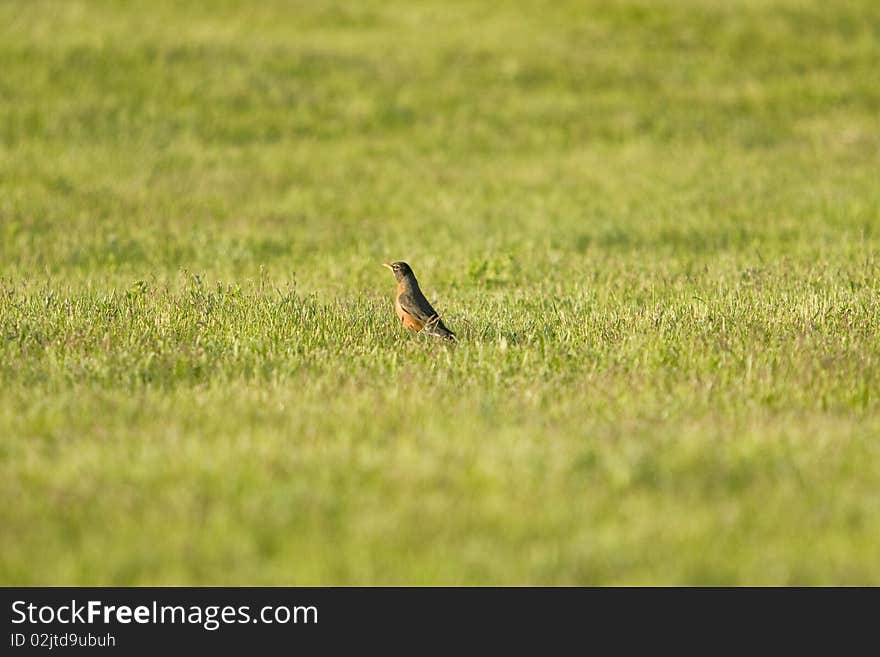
655	227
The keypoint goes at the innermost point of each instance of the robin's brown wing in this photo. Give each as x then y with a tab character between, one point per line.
417	306
421	309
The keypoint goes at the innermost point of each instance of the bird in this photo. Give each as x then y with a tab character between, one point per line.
411	305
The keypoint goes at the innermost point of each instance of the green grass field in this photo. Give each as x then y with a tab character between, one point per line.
655	227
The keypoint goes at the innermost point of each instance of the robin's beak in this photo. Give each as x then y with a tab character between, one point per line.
385	264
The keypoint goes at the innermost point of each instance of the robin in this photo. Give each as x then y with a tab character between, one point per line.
411	305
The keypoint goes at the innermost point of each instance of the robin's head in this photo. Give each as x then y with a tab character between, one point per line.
400	270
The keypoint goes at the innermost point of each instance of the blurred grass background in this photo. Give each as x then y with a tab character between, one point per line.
654	226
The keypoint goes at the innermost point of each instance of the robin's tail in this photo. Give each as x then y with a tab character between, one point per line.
438	329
